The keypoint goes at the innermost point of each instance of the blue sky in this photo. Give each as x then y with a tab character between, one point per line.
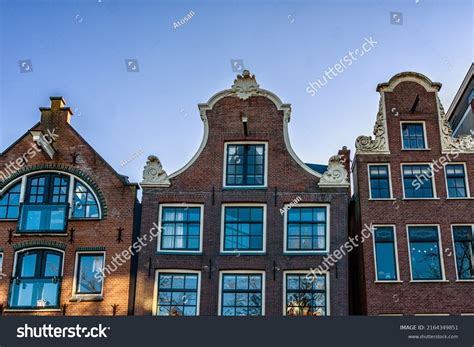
77	49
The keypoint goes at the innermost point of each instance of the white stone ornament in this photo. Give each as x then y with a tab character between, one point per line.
245	86
378	144
461	144
336	175
153	173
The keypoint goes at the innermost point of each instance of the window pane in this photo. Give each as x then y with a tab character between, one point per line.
181	228
245	165
464	250
306	299
306	229
241	294
90	274
424	250
177	294
243	228
85	204
413	137
379	182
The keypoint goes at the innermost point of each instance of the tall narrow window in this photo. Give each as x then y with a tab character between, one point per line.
306	229
385	253
418	181
243	229
456	181
37	280
425	253
379	182
1	265
10	203
241	294
413	136
178	294
463	236
89	273
245	165
181	228
305	297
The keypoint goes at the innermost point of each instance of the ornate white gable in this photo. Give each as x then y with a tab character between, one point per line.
153	173
336	175
379	143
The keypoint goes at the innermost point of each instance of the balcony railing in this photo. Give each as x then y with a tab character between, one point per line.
38	218
34	293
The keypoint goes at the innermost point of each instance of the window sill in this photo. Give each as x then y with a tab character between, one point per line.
291	253
416	149
84	219
466	198
466	281
32	310
40	234
160	252
429	281
86	297
8	220
234	254
384	199
421	199
397	281
244	187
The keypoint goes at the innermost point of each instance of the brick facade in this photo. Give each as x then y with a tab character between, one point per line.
115	195
409	97
202	183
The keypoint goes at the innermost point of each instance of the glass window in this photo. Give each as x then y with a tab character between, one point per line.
89	273
85	204
385	259
425	253
306	229
456	180
177	294
305	297
181	228
245	165
379	182
413	136
464	249
243	228
1	265
10	203
37	280
418	181
241	294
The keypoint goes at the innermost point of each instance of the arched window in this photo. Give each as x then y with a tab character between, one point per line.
85	205
37	279
10	203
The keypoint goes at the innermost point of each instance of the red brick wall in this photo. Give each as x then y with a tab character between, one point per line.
265	123
408	297
119	200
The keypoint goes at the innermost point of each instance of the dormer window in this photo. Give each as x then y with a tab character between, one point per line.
245	165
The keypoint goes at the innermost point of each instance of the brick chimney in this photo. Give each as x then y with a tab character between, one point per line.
56	115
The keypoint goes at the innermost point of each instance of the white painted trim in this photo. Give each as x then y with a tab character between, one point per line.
409	76
305	272
433	180
389	180
466	180
431	314
425	138
179	271
15	258
76	269
454	251
395	246
264	227
328	229
201	227
246	272
265	174
440	252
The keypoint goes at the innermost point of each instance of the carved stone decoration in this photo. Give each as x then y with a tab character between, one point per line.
153	173
461	144
378	144
336	175
245	86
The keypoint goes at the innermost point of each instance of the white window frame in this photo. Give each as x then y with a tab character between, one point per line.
201	227
76	270
395	245
1	264
389	180
433	180
328	229
237	272
305	272
180	271
454	251
440	250
264	227
466	181
265	174
426	148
